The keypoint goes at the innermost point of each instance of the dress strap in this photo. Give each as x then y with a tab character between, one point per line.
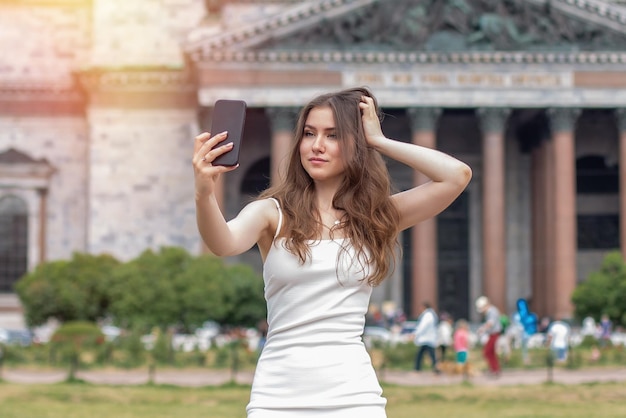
280	216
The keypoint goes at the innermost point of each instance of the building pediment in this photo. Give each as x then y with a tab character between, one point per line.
433	26
19	168
13	156
449	53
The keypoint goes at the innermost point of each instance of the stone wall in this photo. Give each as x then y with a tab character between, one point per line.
141	181
63	142
43	43
123	179
141	33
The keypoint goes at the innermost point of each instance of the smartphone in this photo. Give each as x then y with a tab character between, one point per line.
229	115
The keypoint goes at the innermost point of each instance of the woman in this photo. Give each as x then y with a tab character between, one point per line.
327	234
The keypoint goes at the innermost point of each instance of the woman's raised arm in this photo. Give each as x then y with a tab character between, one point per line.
448	176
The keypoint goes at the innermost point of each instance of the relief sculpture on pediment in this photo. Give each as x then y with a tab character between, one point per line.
453	25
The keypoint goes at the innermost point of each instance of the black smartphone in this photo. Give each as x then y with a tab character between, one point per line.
229	115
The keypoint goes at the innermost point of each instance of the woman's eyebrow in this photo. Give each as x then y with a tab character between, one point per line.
315	129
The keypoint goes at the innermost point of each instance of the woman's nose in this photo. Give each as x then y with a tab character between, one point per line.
318	144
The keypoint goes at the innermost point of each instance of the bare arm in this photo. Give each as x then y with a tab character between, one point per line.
241	233
448	176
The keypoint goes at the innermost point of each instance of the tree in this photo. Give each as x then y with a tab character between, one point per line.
68	290
163	288
205	292
72	338
248	303
604	291
170	287
143	293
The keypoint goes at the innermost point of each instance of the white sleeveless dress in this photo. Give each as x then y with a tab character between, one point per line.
314	363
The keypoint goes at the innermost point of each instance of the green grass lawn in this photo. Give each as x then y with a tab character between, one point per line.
77	400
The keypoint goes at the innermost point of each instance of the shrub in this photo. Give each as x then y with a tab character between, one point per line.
72	338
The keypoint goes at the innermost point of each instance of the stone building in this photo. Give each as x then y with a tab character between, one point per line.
100	101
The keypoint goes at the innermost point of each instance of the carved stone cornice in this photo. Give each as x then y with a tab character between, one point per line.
140	88
563	119
617	58
40	90
145	80
37	97
423	119
493	119
282	118
597	11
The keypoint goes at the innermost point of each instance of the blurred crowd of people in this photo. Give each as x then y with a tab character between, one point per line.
441	339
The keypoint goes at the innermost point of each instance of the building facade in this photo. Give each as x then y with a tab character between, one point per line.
99	106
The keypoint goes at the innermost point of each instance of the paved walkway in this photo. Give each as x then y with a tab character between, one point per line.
197	378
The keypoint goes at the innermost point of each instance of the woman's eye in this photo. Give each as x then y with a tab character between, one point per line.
308	133
332	136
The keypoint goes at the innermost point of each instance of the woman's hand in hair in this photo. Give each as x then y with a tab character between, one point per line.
371	124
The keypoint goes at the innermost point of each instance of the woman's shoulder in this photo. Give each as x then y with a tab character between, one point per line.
263	204
268	210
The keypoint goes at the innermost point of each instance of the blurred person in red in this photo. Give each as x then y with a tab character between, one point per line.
492	328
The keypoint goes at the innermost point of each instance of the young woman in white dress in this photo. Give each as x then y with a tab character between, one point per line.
327	234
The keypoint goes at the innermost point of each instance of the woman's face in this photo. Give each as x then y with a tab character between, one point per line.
320	151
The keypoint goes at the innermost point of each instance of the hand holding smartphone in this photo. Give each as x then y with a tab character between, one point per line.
229	115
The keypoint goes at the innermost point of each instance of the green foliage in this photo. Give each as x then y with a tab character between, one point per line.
588	341
143	291
78	334
157	289
247	303
67	290
173	288
162	351
73	338
134	352
205	292
604	291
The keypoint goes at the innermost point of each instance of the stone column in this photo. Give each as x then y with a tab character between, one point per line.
620	115
423	235
564	279
548	234
42	193
282	125
539	224
493	123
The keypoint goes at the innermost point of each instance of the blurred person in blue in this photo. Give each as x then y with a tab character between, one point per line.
525	325
557	338
426	337
606	329
444	334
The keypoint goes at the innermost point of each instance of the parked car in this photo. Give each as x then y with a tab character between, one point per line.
18	337
208	333
110	332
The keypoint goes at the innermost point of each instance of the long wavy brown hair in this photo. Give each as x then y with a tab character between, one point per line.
370	220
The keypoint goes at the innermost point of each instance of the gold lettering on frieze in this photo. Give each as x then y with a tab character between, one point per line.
477	79
536	80
369	78
404	79
434	79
